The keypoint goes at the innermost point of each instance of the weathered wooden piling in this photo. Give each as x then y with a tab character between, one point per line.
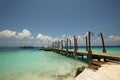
52	44
58	45
89	48
61	45
70	43
103	45
55	46
75	47
86	43
67	47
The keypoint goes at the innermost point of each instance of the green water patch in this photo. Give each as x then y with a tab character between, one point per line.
35	64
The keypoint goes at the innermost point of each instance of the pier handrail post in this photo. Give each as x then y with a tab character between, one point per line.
103	45
67	47
89	48
75	46
53	46
70	43
65	44
61	45
86	43
56	46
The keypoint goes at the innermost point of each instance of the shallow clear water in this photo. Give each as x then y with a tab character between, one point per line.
33	64
36	65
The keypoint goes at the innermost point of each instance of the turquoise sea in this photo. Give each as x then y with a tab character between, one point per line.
34	64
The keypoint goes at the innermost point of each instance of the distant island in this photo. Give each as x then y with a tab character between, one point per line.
26	47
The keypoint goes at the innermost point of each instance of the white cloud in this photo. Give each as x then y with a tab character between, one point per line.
86	34
7	34
110	40
24	34
97	40
43	40
80	39
12	34
114	38
47	40
43	37
63	35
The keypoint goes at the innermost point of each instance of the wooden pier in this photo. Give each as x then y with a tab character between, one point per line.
91	56
94	55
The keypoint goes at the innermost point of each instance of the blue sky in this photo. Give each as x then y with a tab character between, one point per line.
55	18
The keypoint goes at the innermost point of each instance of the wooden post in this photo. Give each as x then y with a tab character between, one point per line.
58	45
65	44
89	41
53	46
86	43
103	45
70	43
75	46
89	50
61	44
67	47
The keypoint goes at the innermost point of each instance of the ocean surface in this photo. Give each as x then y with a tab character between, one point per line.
34	64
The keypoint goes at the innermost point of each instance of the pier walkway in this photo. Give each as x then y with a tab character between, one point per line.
90	57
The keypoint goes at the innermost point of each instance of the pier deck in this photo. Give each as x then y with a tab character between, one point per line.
95	55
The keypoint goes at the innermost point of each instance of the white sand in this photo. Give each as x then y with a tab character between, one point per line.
106	72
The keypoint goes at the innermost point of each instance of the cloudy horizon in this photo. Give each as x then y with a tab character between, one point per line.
25	37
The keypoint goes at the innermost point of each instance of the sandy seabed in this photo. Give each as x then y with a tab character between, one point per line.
106	72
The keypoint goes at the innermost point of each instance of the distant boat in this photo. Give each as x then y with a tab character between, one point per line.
26	47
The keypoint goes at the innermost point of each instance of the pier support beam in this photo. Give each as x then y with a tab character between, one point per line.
61	46
67	47
103	45
89	50
76	47
86	43
53	46
70	43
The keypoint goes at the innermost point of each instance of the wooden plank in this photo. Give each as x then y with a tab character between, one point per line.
107	56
